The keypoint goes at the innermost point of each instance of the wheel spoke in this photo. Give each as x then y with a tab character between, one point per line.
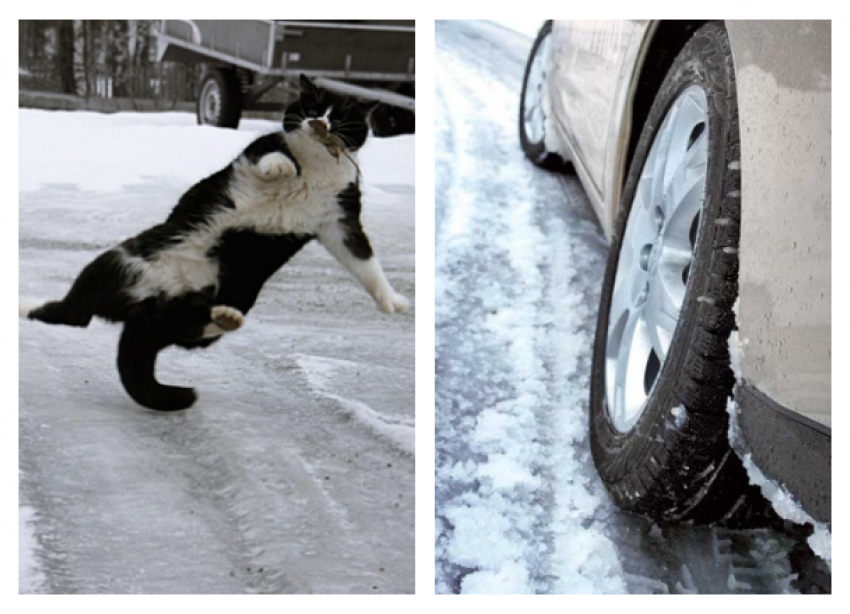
697	157
690	197
689	171
654	168
683	125
662	314
629	372
644	226
620	301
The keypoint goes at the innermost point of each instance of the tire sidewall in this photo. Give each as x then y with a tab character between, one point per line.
618	455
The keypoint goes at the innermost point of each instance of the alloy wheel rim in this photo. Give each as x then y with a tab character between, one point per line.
655	258
534	114
211	97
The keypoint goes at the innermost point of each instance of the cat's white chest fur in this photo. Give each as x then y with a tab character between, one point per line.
290	204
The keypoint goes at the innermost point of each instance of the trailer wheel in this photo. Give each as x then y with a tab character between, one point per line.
219	99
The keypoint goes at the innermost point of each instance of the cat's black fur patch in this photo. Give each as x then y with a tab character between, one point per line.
247	260
355	239
97	291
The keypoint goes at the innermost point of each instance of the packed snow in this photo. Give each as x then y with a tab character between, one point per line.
519	263
294	471
680	416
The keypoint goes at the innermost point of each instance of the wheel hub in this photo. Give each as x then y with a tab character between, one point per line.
211	102
655	258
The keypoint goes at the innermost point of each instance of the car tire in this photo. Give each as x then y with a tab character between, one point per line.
219	99
532	122
659	385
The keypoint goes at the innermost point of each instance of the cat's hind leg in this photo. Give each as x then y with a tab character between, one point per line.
137	353
97	290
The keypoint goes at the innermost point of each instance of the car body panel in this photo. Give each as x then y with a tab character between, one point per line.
784	83
591	77
783	71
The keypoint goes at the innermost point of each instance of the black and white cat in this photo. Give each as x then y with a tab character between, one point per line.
193	278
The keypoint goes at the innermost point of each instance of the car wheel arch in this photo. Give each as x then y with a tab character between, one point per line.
664	39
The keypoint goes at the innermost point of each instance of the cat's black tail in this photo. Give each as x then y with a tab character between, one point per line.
137	352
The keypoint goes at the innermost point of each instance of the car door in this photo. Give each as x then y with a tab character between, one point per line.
592	66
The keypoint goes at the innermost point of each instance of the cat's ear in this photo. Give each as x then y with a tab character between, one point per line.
307	86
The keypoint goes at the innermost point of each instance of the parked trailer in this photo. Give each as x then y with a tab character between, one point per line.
248	58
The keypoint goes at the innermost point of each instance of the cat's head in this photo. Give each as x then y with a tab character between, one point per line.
346	117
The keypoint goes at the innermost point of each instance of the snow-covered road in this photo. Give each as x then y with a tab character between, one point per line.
294	471
519	263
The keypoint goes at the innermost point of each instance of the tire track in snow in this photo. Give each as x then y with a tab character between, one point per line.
480	525
496	528
279	512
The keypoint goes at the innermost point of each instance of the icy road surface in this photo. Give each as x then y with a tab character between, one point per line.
294	471
519	265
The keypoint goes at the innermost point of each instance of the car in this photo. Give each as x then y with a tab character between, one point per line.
704	149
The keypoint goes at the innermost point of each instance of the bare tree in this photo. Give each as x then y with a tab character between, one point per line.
116	56
64	59
100	58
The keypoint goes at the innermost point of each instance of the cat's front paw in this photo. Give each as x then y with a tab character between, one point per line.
226	318
276	166
393	303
